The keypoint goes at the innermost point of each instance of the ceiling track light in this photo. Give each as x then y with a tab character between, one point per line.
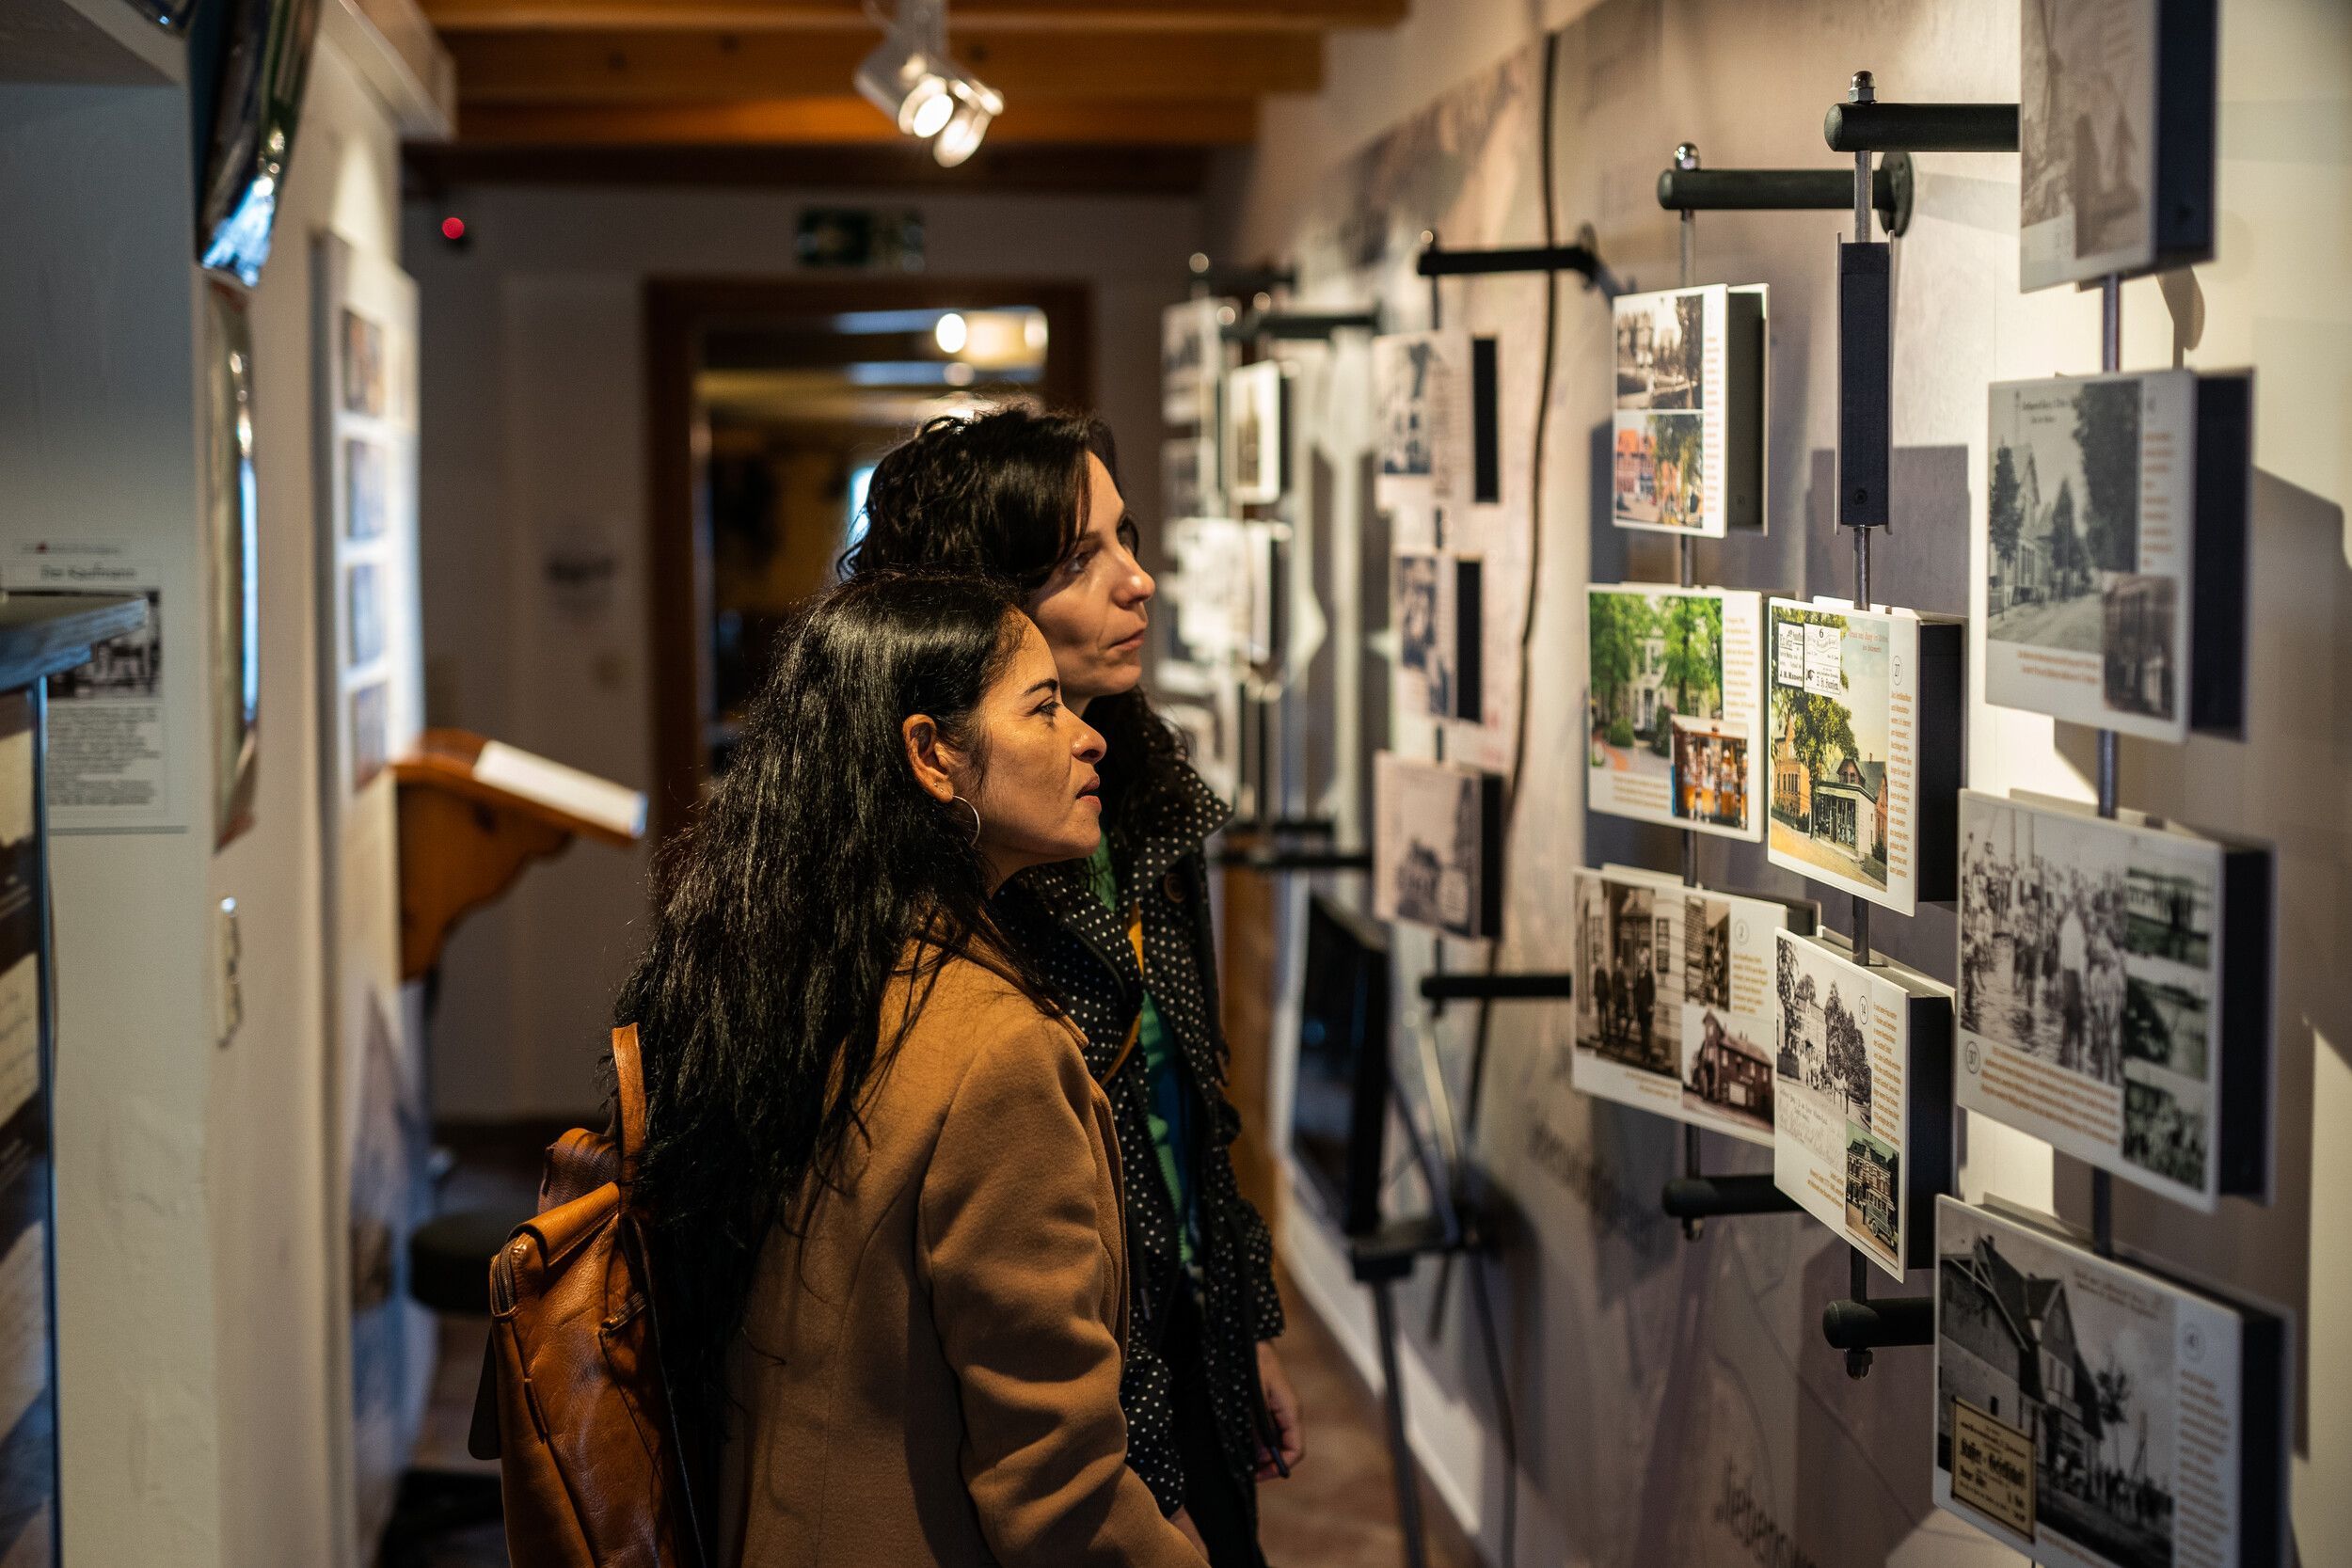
911	77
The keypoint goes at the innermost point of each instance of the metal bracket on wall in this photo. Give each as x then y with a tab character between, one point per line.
1689	1198
1583	258
1789	190
1880	127
1238	282
1439	990
1262	322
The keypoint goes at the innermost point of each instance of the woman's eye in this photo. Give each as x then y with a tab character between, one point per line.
1048	707
1078	564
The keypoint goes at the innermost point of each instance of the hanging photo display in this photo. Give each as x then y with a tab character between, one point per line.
1864	725
1862	1111
1188	477
1673	1009
1192	357
1436	436
1254	436
2114	137
2115	991
1436	608
1688	448
2094	1413
1673	715
1437	848
1209	592
2102	553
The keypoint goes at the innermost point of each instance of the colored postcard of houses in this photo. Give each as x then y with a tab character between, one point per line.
2089	516
1842	1093
2088	1411
1687	450
1674	999
1672	712
2091	988
1840	737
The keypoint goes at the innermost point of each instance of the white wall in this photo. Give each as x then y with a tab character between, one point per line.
535	429
1675	1400
197	1380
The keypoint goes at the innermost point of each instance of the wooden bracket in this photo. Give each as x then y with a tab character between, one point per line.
464	840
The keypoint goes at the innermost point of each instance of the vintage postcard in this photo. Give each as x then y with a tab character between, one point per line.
1437	851
1687	437
2094	990
2089	517
1675	998
2092	1412
1841	730
1673	715
1861	1093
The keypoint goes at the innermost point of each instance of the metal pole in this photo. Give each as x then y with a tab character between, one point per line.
2110	360
1862	89
1400	1452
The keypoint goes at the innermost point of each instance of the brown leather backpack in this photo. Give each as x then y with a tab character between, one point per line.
586	1436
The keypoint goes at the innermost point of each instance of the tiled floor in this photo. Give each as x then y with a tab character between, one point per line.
1337	1511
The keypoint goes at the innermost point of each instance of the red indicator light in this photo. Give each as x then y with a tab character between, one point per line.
453	229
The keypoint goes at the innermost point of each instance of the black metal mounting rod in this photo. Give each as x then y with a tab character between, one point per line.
1707	1197
1470	985
1297	325
1880	1323
1297	859
1583	258
1789	190
1305	827
1242	282
1920	128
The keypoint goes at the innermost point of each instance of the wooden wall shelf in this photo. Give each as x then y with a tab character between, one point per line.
472	813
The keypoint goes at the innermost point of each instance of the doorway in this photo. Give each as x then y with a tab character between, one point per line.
770	405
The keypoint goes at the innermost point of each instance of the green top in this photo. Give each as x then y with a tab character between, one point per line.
1168	1111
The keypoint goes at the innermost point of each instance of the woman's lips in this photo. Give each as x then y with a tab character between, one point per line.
1132	641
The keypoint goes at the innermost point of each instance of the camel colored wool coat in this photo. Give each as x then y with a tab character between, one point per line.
930	1368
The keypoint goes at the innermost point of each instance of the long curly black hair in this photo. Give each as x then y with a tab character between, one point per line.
1004	494
817	870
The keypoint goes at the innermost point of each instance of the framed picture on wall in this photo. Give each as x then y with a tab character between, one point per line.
1255	440
2116	114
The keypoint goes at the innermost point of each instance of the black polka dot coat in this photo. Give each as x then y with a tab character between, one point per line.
1087	960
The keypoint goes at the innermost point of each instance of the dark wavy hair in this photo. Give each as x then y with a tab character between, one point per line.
1004	494
805	882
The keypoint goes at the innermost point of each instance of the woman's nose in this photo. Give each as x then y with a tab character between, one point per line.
1139	586
1089	747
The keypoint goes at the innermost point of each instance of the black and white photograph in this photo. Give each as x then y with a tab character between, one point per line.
1861	1111
1437	611
367	493
1192	353
1662	344
1402	371
2087	146
1187	476
2074	1357
1673	1006
1437	845
2089	510
365	580
129	668
1253	434
364	388
371	733
2089	979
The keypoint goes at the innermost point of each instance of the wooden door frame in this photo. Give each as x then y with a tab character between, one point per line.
676	311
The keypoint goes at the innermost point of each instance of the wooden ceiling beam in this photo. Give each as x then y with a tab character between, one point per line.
536	67
851	122
454	17
434	168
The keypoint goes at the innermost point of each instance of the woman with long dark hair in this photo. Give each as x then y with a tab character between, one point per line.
1031	499
885	1192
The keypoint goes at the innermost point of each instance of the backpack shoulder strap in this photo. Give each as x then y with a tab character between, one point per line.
628	1093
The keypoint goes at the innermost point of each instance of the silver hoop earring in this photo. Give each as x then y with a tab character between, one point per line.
959	800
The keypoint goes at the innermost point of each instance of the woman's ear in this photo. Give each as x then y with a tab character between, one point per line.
929	756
